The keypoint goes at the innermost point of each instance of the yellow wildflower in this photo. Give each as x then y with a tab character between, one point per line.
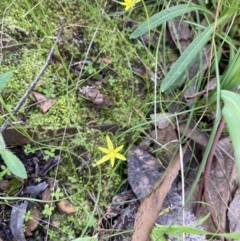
129	3
111	153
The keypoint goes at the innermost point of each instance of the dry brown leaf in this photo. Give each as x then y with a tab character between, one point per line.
151	205
32	223
17	221
44	103
66	207
162	119
46	195
223	183
180	33
194	133
94	95
234	213
106	61
167	140
4	184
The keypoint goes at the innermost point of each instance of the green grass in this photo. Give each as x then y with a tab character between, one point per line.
100	35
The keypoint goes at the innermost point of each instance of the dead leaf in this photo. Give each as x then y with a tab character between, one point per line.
94	95
46	195
143	171
4	184
162	119
32	223
181	33
151	205
223	183
167	140
106	61
194	133
36	189
66	207
17	221
234	213
126	221
43	102
7	43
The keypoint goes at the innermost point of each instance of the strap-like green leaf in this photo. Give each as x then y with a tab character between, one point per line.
160	229
231	114
2	142
13	163
164	16
4	78
187	57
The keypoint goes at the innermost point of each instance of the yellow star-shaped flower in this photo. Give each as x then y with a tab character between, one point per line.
129	3
112	153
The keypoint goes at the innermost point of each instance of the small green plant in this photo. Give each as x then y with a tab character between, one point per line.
72	179
29	149
49	92
49	153
5	171
57	194
47	211
111	80
27	216
89	68
13	163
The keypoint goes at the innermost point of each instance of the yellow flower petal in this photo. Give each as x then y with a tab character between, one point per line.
112	160
120	156
119	148
129	3
103	159
124	4
109	143
104	150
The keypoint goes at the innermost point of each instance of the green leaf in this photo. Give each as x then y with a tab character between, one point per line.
231	114
4	78
231	77
13	164
187	57
173	229
86	239
164	16
202	220
2	142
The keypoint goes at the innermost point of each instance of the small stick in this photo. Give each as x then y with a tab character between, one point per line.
33	84
203	92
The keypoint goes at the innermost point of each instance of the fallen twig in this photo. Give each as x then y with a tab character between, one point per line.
33	84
